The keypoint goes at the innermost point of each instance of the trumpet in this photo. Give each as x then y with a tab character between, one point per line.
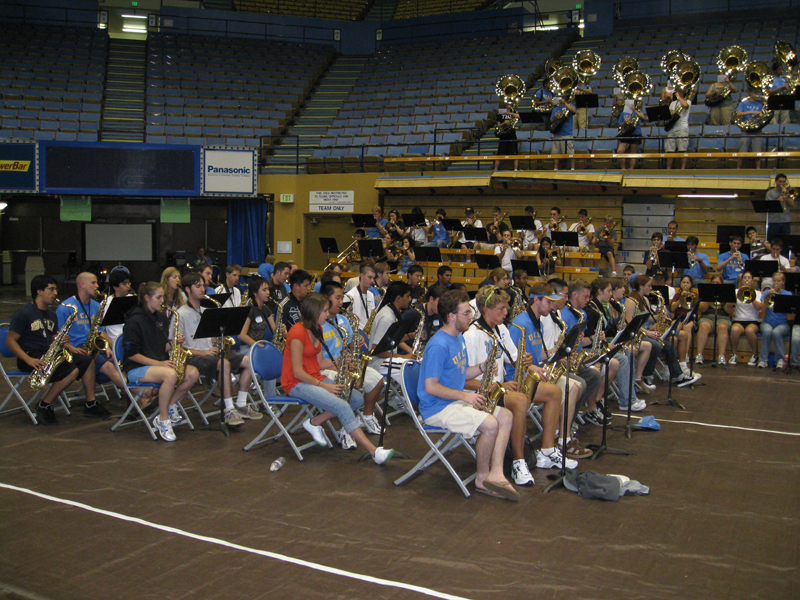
687	300
608	231
746	294
653	257
692	259
769	299
736	261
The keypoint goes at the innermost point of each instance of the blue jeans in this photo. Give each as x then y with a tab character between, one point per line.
623	377
669	352
324	400
795	345
436	244
775	335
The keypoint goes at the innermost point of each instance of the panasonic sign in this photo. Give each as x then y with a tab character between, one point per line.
229	171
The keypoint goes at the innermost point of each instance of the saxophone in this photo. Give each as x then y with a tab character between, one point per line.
343	373
663	322
555	370
599	346
178	354
371	318
417	348
517	306
578	353
224	343
491	392
525	377
55	355
279	339
95	342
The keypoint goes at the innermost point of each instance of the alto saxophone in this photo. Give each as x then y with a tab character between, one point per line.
525	377
492	393
55	355
578	353
95	343
279	339
371	318
343	373
224	343
178	355
555	370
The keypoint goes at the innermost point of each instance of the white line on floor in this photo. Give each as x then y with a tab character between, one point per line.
625	416
204	538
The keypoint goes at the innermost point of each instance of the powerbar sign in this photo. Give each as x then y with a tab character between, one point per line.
18	167
331	201
229	172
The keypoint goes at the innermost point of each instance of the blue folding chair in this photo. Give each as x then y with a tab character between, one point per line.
449	441
14	379
266	363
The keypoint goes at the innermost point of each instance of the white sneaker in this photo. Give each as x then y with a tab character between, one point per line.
721	360
779	365
521	473
316	432
613	273
371	424
382	455
639	405
648	385
175	416
732	360
753	361
553	460
762	364
346	440
164	429
698	360
233	418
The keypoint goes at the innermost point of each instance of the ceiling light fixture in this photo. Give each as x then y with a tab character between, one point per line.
708	195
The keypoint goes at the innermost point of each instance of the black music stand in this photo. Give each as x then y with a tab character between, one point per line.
531	267
628	334
715	292
781	102
475	234
329	246
586	101
371	248
602	447
670	334
792	283
487	261
564	239
761	268
787	305
523	223
564	351
427	254
117	308
673	260
791	245
221	298
726	232
394	335
363	221
451	226
413	220
658	113
219	322
766	207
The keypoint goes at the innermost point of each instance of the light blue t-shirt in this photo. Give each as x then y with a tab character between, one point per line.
749	105
374	232
445	359
637	131
533	341
729	272
440	234
332	337
567	127
265	270
696	271
775	319
79	330
777	82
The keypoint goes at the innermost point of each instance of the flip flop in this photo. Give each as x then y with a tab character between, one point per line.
504	490
488	493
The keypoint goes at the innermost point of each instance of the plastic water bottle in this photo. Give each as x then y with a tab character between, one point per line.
277	464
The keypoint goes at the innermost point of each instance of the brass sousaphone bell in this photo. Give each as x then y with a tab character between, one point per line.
561	84
636	86
622	67
730	60
586	63
685	77
671	60
511	88
758	76
784	52
551	66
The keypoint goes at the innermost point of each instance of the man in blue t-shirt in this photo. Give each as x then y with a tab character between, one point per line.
441	239
749	108
732	262
699	263
374	233
444	403
562	138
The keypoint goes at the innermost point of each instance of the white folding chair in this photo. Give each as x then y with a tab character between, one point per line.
447	442
266	363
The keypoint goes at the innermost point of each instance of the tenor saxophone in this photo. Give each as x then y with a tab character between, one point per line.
55	355
279	339
417	348
555	370
525	377
492	393
95	342
178	355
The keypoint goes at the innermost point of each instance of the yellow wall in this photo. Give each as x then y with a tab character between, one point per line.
289	222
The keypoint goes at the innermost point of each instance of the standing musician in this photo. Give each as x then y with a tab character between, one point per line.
539	306
334	346
605	243
171	284
146	357
706	312
508	139
506	252
232	274
775	325
629	144
678	137
751	141
79	333
361	298
747	320
299	284
685	331
395	301
562	139
779	86
544	97
780	223
206	354
493	307
444	402
732	261
470	220
556	223
598	314
30	334
374	233
301	377
722	113
530	238
699	263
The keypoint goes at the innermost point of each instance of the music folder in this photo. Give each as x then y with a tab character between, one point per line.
586	101
658	113
781	102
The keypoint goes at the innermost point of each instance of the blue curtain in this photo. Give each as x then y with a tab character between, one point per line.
246	230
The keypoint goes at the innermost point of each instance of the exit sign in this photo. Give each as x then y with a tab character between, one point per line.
287	198
578	6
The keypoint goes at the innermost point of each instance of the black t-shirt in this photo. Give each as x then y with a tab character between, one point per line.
259	322
277	292
35	327
291	312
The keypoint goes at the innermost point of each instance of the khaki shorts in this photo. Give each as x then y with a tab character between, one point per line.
458	417
720	320
562	383
562	145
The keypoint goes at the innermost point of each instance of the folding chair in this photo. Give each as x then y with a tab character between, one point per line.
133	400
14	379
449	441
266	362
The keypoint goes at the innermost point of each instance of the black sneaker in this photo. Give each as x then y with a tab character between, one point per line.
46	415
595	417
685	380
96	410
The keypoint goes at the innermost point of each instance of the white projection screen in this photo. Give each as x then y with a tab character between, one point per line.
108	242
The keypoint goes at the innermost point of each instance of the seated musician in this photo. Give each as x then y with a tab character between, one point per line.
230	286
493	308
407	258
496	228
520	285
79	334
266	268
547	263
556	223
299	284
429	310
443	276
207	273
605	243
301	377
775	247
419	232
732	261
393	225
506	252
260	322
706	324
685	331
758	247
440	239
171	284
206	355
277	291
638	303
395	301
598	315
335	351
391	255
444	402
374	233
332	268
585	240
201	258
120	283
775	325
469	221
530	238
146	357
616	309
747	320
699	263
414	276
30	335
651	261
362	300
354	259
